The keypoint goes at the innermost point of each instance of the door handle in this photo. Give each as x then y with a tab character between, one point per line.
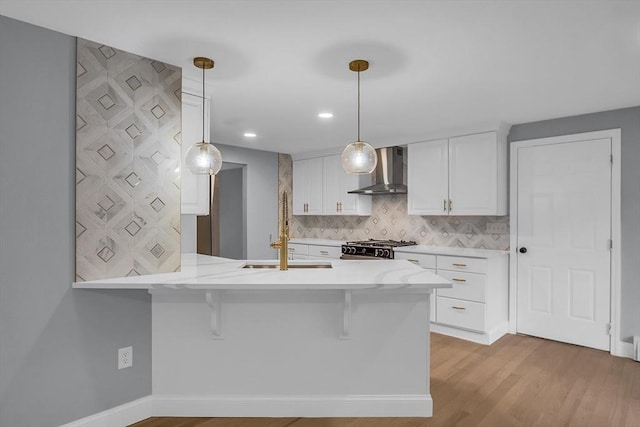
523	250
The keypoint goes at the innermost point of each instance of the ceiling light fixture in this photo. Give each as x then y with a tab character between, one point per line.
203	157
325	115
250	134
359	157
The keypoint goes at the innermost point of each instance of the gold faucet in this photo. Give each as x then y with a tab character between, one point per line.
282	243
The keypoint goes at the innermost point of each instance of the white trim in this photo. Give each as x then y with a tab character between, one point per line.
120	416
616	347
487	338
293	406
625	349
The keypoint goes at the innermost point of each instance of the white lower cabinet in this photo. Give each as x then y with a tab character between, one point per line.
312	251
476	306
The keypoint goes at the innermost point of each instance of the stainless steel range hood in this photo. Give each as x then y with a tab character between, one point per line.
388	173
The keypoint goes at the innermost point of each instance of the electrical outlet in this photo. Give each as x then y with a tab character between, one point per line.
497	227
125	357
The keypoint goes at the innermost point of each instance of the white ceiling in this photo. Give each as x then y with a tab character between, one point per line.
435	65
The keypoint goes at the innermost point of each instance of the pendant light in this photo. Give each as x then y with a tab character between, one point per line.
203	157
359	157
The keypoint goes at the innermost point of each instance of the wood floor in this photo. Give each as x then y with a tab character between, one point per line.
517	381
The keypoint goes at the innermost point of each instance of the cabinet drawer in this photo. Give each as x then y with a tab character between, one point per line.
423	260
470	286
325	251
460	313
298	249
454	263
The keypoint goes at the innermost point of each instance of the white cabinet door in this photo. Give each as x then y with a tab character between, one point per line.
354	204
194	188
336	185
300	186
307	187
427	178
473	174
315	187
331	190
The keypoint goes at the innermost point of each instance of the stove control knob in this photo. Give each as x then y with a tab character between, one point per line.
387	253
344	249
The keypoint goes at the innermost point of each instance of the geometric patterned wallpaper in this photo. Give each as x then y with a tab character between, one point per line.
128	129
389	220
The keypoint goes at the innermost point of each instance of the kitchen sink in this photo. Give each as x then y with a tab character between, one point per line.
292	264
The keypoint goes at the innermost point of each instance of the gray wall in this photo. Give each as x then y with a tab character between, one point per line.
232	229
58	346
627	119
261	193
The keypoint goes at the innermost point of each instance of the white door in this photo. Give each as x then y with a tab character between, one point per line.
563	240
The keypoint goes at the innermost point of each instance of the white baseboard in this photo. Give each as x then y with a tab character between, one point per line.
120	416
293	406
486	338
624	349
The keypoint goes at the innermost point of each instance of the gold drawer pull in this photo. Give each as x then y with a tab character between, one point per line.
415	261
292	249
458	280
324	252
455	307
459	265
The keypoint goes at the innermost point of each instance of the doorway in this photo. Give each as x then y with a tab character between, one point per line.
224	232
565	215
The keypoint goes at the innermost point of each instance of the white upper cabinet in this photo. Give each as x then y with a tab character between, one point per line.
464	175
337	183
307	187
194	188
320	187
428	178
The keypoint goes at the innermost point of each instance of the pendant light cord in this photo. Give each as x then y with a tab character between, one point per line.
203	100
358	104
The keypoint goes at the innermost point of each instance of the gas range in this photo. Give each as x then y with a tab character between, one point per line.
372	249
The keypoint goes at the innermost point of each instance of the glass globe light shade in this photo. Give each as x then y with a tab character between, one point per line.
203	158
359	158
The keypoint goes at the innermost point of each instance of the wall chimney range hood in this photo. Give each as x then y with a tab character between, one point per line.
388	173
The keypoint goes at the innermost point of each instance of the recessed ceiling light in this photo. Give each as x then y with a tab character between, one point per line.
250	134
325	115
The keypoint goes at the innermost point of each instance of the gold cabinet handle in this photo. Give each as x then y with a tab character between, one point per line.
415	261
340	203
459	265
337	207
324	252
458	280
444	204
450	205
455	307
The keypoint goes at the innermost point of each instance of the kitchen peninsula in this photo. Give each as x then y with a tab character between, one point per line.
349	340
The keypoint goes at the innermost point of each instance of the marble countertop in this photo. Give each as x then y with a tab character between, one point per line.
446	250
206	272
